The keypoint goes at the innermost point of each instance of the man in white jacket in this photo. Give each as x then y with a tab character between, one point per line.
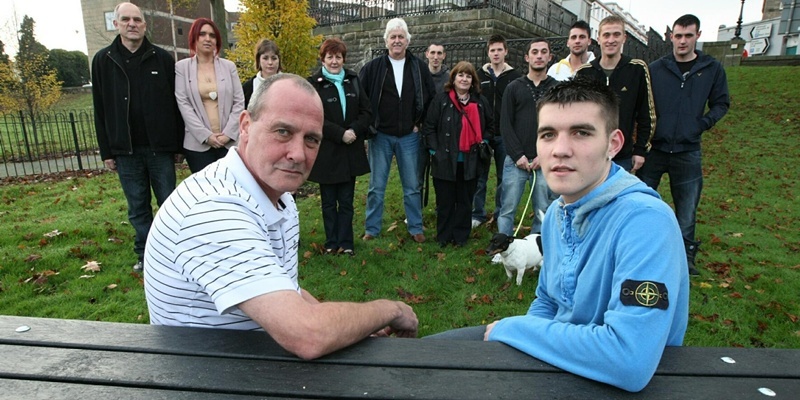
579	54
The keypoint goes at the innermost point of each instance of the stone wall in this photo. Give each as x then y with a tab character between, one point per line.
443	27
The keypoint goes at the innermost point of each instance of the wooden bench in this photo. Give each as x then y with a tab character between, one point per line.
70	359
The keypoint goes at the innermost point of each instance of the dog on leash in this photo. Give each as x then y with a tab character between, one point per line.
517	254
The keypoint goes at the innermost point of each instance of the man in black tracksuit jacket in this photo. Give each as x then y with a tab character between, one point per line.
495	76
139	128
630	80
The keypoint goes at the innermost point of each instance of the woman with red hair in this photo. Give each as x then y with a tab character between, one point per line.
209	96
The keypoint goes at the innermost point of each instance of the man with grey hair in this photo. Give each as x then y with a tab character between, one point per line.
223	249
138	125
400	87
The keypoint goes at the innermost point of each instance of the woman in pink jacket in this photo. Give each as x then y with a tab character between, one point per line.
209	95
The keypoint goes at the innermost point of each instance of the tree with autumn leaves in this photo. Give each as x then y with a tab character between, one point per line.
28	83
284	21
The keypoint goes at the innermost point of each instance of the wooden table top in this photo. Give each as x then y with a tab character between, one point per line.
70	359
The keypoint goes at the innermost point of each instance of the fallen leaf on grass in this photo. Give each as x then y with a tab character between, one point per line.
737	234
111	286
520	296
343	272
736	295
392	227
85	276
32	257
409	297
705	285
92	266
52	234
470	279
115	240
307	254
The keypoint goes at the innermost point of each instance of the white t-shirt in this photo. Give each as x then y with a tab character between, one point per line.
398	66
218	241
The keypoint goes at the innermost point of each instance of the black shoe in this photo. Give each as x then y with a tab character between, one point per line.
692	270
349	252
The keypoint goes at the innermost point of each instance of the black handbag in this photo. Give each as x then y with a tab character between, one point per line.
485	152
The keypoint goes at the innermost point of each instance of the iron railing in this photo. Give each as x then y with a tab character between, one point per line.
475	52
51	142
544	13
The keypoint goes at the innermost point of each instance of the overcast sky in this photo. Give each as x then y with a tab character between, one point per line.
59	23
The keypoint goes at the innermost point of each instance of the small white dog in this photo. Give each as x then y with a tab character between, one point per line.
517	254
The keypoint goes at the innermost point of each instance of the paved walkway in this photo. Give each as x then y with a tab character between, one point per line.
87	161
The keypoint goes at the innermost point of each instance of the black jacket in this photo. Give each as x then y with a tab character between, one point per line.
374	74
519	121
681	101
493	90
338	162
442	131
111	95
637	113
247	89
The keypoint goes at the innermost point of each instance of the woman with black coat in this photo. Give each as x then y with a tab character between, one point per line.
458	121
341	155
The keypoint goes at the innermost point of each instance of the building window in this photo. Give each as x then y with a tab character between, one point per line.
110	21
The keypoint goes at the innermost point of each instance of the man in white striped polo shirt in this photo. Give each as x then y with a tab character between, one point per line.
222	252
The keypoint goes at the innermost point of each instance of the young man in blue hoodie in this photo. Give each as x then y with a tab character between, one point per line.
683	82
607	302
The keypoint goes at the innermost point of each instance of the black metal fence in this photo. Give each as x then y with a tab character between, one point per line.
544	13
49	143
475	52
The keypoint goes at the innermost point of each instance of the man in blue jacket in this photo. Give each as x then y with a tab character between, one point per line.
607	302
683	82
138	125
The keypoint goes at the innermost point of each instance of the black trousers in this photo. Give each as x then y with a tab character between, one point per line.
454	208
337	214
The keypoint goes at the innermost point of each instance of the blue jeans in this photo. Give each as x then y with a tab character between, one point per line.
514	180
137	173
479	202
466	333
685	172
381	150
625	164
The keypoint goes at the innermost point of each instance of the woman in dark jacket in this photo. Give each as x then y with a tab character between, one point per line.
341	155
458	120
268	63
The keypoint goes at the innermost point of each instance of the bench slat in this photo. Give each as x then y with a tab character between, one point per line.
679	361
325	380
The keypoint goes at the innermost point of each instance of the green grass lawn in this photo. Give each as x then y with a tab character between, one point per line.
746	295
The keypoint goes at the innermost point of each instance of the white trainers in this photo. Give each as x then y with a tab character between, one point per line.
497	259
476	223
138	267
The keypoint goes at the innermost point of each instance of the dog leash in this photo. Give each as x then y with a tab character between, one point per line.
527	203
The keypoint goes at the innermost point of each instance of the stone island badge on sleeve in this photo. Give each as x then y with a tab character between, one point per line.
644	294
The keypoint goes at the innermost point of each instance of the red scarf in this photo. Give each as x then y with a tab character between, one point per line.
470	124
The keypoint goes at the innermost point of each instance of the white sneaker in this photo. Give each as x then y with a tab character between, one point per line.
476	223
497	259
138	267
